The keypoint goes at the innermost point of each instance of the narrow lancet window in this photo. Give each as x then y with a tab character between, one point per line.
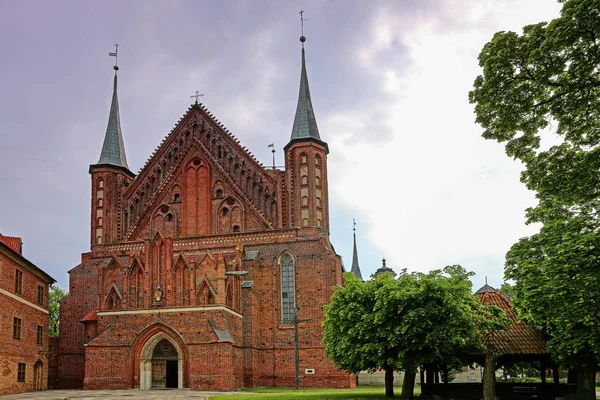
288	290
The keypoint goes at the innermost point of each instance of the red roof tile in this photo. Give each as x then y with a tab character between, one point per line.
91	316
12	242
520	338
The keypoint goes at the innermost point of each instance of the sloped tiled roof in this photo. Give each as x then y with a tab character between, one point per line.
11	241
520	338
91	316
12	247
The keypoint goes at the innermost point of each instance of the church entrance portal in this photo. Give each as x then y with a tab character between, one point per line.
164	366
161	363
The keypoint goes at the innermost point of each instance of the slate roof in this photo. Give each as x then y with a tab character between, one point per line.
12	241
223	335
520	338
113	149
305	123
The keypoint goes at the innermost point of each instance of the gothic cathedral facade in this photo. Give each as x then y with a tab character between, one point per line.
201	263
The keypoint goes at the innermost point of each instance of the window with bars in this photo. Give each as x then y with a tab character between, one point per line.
288	291
40	297
16	328
18	281
40	335
21	372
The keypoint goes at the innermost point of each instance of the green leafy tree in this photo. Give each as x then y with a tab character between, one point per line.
541	84
56	296
401	324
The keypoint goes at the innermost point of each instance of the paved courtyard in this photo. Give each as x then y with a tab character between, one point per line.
131	394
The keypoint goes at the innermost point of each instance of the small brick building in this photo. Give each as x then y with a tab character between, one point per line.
23	320
199	261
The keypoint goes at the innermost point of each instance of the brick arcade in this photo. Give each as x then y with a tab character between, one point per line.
199	261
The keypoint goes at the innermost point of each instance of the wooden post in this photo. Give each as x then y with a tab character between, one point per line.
543	370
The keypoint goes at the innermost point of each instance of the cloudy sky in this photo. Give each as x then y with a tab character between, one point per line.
389	82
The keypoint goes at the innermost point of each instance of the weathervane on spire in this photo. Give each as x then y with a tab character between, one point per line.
354	223
302	38
198	94
115	55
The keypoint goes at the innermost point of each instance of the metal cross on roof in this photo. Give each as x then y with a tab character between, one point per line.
115	54
198	94
302	21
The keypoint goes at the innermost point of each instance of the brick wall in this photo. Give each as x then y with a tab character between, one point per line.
24	350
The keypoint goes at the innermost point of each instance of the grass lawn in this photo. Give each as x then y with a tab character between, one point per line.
360	393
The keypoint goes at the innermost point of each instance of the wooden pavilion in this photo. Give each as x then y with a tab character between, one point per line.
519	343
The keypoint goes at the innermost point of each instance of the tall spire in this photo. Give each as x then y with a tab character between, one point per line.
355	267
305	124
113	149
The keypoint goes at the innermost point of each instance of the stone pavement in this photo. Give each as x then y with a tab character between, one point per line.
130	394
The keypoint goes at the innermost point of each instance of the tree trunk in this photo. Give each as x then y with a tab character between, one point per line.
555	374
586	380
389	381
408	385
489	377
572	375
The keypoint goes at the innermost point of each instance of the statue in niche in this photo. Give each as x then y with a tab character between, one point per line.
158	295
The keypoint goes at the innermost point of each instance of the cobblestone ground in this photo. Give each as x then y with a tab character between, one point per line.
132	394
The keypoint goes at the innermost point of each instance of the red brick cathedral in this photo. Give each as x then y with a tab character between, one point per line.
199	261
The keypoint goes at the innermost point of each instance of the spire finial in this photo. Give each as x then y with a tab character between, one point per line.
486	279
354	222
302	38
198	94
115	55
383	262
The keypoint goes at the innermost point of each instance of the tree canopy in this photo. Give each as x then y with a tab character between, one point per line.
400	324
55	297
539	85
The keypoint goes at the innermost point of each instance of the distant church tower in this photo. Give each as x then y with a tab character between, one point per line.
110	175
355	267
306	164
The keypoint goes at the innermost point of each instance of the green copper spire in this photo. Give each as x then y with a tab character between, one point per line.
113	149
305	124
355	267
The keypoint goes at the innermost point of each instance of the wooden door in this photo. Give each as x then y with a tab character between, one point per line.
38	376
159	374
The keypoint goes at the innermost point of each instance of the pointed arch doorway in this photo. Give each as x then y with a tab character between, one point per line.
161	364
38	376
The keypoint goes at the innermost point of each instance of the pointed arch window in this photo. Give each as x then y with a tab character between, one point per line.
317	160
288	288
304	180
99	221
100	183
303	159
100	202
